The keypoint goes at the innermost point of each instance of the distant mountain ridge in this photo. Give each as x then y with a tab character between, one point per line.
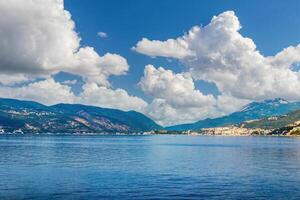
252	111
33	117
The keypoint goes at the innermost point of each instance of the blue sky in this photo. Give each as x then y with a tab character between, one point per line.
272	25
174	61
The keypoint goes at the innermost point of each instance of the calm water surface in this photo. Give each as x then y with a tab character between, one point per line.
149	167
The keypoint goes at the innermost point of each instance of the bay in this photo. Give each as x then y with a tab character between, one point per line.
149	167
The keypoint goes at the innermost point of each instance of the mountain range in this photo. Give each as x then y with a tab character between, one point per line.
252	111
33	117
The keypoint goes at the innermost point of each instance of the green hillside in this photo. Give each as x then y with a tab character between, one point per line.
274	122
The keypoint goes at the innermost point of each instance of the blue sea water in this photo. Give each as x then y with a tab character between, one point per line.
149	167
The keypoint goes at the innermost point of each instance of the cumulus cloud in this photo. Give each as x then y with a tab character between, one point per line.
31	43
47	91
221	55
93	68
177	89
175	97
94	94
171	48
50	92
38	39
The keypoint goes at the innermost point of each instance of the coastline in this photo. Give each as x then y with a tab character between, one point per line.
140	134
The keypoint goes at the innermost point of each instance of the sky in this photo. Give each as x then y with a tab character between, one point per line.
126	22
174	61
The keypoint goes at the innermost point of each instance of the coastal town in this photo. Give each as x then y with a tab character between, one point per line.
234	130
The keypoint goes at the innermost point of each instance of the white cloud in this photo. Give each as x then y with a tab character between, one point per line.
227	104
50	92
38	39
94	94
12	79
102	34
165	114
31	43
177	89
69	82
171	48
93	68
176	100
175	97
47	91
221	55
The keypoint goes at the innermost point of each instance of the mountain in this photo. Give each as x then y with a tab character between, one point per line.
252	111
288	124
274	122
32	117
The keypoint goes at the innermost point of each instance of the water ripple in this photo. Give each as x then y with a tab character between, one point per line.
149	167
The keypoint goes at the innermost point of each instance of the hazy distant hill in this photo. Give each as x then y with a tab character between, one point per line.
29	116
255	110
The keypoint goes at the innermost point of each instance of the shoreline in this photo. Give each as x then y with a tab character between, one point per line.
158	134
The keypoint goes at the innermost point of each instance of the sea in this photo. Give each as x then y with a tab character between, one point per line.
148	167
